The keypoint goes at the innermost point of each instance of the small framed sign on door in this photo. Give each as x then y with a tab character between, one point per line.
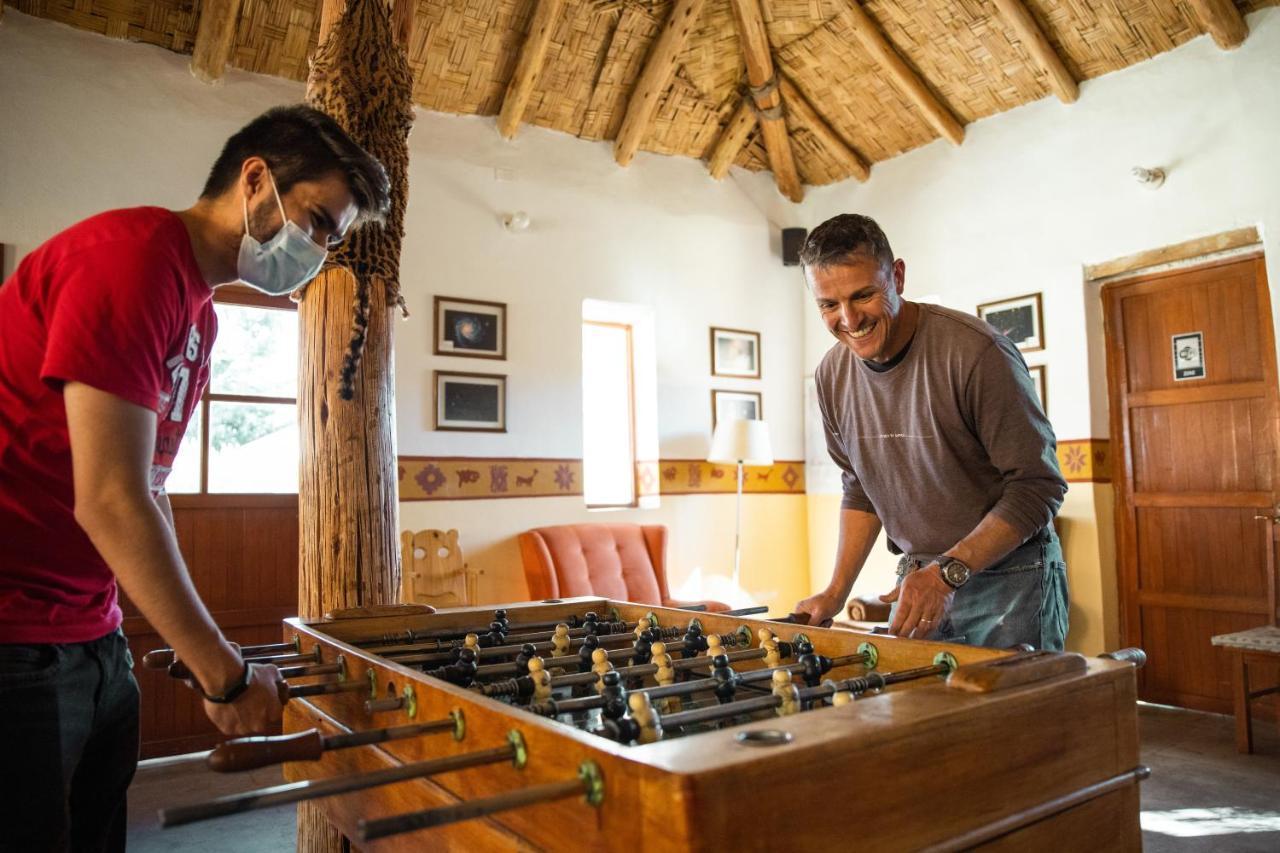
1188	356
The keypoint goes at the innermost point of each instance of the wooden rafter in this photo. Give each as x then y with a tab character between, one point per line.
1222	20
730	143
532	55
874	41
799	105
655	78
214	37
1018	17
766	97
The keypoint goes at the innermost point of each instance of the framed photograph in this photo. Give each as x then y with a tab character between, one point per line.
1042	387
470	328
1020	319
736	405
471	402
735	353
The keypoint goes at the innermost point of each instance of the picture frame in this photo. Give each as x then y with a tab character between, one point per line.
1040	379
1020	319
470	328
747	405
735	353
470	402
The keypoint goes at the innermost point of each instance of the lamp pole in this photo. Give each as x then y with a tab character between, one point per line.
737	535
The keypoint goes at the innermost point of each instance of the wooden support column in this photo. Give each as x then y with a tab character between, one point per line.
214	37
654	79
873	40
1222	20
835	145
349	552
1018	17
767	98
529	66
730	143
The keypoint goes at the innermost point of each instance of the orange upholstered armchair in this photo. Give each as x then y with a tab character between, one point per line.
625	562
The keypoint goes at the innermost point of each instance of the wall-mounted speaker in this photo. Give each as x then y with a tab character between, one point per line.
792	241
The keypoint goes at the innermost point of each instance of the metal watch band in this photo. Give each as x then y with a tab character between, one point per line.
234	692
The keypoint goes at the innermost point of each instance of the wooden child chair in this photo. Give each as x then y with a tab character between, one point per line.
434	572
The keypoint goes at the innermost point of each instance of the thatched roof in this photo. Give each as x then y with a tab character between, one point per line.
969	57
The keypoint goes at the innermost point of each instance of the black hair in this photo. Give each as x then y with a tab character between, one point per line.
843	237
300	143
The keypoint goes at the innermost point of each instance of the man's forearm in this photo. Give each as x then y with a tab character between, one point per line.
137	541
858	532
986	544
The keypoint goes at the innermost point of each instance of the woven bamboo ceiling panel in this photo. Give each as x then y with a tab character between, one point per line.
464	53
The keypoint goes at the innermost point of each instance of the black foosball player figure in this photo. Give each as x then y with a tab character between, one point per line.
694	642
726	679
589	644
527	652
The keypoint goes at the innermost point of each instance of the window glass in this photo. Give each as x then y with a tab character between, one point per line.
253	447
608	421
256	352
184	479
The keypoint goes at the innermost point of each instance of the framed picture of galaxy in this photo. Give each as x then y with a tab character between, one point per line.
470	328
471	402
1020	319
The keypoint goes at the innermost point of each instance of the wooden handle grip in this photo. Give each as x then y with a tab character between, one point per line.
1015	670
249	753
1132	655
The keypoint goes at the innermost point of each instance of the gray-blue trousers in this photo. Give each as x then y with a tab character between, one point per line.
1021	599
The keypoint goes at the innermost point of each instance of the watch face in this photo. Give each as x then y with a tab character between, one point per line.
955	572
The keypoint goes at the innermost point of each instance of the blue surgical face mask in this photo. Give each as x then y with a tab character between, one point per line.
284	263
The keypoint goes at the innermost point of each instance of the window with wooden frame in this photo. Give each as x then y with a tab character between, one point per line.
608	416
243	438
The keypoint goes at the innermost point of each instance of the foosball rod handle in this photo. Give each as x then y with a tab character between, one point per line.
1133	655
250	753
164	658
589	783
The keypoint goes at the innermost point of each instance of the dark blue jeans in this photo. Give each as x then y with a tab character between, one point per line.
69	744
1021	599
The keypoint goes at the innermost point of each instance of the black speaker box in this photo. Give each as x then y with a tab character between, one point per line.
792	241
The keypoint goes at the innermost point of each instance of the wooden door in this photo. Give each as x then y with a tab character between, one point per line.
1198	468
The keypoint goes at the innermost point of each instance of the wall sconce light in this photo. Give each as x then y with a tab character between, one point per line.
1149	178
516	222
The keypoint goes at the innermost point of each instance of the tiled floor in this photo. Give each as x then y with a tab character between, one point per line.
1202	796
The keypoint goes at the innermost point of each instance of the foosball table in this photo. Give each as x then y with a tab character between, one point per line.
604	725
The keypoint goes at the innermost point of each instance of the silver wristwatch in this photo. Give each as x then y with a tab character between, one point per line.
955	574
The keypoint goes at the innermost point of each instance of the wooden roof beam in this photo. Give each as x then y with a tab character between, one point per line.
1222	20
654	79
766	97
214	37
529	66
873	40
731	141
1018	17
799	105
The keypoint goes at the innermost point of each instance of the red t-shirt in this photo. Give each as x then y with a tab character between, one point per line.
116	302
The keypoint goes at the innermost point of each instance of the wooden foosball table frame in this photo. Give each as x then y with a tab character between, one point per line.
1038	765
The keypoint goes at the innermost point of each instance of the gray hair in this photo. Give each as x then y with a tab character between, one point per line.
842	238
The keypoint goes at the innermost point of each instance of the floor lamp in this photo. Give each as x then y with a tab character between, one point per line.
739	442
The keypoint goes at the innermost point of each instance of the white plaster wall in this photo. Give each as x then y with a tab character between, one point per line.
92	124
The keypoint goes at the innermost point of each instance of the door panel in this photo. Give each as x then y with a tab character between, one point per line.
1198	467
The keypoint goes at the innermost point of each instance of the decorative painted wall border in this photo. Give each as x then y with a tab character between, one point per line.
1085	460
452	478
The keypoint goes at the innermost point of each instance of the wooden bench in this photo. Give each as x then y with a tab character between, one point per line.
1254	646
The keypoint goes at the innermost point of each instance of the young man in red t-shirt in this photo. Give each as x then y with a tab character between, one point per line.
105	333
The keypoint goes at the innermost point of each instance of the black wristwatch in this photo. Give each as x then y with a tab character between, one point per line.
233	692
955	574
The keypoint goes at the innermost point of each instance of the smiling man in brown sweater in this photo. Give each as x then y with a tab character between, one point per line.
932	417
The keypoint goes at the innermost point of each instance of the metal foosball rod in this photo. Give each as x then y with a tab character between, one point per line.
647	724
493	653
296	792
499	618
164	658
600	629
250	753
554	707
589	784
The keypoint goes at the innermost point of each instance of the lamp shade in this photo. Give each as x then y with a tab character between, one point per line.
741	441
